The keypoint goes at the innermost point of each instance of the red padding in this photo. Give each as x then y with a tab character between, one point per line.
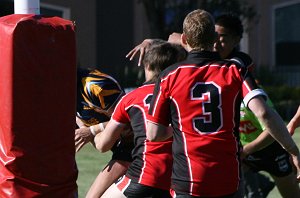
37	107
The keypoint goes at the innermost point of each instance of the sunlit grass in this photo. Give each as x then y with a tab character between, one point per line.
90	162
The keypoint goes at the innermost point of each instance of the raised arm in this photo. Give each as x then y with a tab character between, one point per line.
176	39
141	48
262	141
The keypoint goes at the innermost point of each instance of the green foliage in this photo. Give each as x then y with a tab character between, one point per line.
166	16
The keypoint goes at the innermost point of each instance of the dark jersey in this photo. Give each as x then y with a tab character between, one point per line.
241	58
152	161
201	96
96	90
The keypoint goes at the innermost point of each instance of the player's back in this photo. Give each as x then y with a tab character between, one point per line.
205	99
151	160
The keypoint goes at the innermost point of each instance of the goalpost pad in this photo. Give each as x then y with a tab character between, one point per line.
37	107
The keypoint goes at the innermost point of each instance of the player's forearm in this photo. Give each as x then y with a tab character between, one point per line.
262	141
276	127
157	132
105	140
273	124
100	146
97	130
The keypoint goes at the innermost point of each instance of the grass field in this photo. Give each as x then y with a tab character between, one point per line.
90	162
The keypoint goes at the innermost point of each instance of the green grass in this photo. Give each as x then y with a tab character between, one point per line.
274	193
90	162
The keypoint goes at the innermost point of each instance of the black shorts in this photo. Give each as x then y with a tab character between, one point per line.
272	159
190	196
132	189
122	150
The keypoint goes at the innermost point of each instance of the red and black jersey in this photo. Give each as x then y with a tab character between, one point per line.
152	161
201	98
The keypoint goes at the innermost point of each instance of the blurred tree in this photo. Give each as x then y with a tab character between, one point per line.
166	16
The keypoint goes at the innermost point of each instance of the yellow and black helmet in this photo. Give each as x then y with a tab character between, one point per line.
96	90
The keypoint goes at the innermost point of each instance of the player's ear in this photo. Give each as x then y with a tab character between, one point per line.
183	39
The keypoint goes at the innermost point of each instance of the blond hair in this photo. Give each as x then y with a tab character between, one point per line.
199	29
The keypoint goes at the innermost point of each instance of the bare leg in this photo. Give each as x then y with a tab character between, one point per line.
288	186
113	170
114	192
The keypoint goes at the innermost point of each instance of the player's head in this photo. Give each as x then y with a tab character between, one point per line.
160	56
199	30
230	31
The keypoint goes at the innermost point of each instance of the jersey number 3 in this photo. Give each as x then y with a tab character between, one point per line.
208	94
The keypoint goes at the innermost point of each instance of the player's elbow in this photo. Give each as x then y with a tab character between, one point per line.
101	148
151	137
157	132
151	132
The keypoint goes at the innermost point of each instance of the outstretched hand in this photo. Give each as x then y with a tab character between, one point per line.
83	135
139	48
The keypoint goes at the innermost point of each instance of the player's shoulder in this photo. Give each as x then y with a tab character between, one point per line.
242	59
176	67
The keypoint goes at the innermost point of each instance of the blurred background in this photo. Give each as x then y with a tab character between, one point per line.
107	30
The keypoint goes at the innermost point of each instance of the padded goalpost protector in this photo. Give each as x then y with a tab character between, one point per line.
37	107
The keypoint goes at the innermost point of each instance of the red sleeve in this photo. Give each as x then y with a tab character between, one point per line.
120	113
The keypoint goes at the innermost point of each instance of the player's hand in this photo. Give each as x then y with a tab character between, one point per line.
83	135
79	122
291	128
139	48
296	162
175	38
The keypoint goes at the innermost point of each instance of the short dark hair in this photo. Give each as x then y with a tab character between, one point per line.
232	22
160	56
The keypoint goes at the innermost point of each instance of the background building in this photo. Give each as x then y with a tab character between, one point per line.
107	30
274	40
